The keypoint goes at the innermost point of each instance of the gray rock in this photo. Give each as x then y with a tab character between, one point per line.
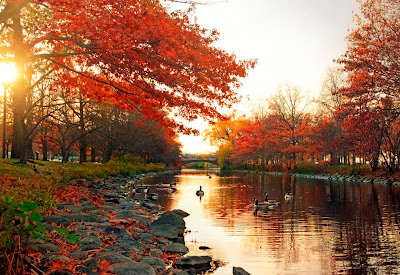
146	237
59	220
143	220
113	257
178	272
177	248
82	217
181	213
164	241
156	252
43	246
170	218
98	212
151	206
119	231
132	268
107	207
89	240
78	255
167	231
92	263
74	208
128	244
193	261
55	257
153	261
239	271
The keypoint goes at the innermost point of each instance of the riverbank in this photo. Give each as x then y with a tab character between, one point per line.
377	179
104	230
349	173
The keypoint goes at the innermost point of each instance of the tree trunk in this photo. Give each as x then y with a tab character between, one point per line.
29	150
82	140
93	154
19	105
44	144
107	153
65	154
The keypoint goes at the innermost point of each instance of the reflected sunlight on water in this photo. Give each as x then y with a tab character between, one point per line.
329	227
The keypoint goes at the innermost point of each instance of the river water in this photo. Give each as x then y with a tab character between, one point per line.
327	228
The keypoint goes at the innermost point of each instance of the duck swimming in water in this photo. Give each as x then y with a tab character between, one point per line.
200	192
267	204
288	196
172	188
152	196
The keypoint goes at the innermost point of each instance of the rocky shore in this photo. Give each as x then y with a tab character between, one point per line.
116	235
332	177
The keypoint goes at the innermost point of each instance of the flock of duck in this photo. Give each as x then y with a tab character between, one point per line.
270	204
267	204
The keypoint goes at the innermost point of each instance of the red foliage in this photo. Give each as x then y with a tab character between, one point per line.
137	55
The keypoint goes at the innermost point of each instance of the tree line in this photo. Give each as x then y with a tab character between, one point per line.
356	118
111	76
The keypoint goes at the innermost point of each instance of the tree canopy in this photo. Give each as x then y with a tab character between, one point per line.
134	54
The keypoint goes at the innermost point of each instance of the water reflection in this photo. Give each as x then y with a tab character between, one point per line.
328	227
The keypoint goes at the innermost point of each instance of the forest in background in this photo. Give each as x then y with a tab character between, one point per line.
354	121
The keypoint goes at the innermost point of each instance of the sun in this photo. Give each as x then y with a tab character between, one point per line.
8	73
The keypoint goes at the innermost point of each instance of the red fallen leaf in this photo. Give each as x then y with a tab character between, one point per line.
165	256
53	224
104	266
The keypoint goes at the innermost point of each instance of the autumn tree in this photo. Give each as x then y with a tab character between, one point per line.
330	99
288	107
328	134
135	54
222	134
372	64
258	141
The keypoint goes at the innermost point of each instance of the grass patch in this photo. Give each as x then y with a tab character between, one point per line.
21	183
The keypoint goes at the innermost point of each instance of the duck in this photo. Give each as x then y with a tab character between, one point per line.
272	203
132	191
200	192
152	196
260	206
171	188
267	204
288	195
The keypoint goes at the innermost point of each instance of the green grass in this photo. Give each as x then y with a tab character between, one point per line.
20	182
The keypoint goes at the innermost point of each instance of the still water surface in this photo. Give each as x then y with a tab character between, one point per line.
328	228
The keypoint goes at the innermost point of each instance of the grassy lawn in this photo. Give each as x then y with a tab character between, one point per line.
20	182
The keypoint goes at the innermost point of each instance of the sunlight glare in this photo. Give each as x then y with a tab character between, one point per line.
8	73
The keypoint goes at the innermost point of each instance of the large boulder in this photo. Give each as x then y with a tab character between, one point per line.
132	268
197	262
177	248
170	218
239	271
169	225
167	231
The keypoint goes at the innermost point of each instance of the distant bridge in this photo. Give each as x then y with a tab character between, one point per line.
212	161
193	158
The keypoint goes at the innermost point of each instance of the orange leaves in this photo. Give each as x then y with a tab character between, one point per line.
103	266
146	55
371	61
72	193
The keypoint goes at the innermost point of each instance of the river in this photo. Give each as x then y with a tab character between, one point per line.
328	227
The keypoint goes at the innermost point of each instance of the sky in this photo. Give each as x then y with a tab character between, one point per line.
295	41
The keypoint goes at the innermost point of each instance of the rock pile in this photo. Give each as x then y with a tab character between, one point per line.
119	235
